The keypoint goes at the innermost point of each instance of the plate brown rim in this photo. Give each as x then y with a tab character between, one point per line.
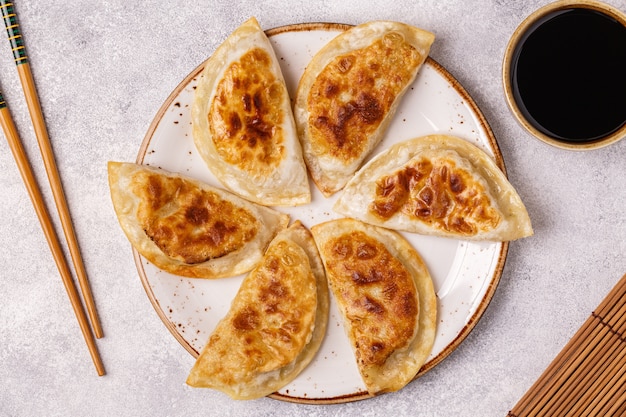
471	322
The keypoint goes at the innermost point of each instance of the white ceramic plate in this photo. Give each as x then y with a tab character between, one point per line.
465	274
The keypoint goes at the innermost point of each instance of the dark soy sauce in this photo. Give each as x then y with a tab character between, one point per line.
568	75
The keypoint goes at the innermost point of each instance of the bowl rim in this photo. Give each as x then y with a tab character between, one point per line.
518	35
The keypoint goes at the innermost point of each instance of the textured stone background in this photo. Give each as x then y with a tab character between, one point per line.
104	68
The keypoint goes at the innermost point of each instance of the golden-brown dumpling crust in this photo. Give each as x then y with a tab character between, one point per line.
437	185
386	297
349	92
189	228
243	125
275	324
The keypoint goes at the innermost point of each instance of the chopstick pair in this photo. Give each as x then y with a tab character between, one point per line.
588	377
19	154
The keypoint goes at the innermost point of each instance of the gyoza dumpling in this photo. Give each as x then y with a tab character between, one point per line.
350	91
275	325
437	185
386	297
187	227
243	124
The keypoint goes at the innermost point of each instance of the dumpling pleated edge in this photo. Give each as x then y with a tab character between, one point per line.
328	173
260	384
360	190
288	184
126	203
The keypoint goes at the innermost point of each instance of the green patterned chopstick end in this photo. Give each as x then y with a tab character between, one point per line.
3	103
13	31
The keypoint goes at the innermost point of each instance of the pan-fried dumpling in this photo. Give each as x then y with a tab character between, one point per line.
189	228
243	125
437	185
275	325
386	297
350	91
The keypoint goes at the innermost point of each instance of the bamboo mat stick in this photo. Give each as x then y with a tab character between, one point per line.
30	182
616	401
543	382
602	350
570	349
570	388
603	382
571	371
543	406
619	408
589	371
536	394
605	396
34	107
592	374
603	365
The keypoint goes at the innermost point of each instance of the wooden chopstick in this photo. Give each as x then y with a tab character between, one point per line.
34	107
34	192
588	377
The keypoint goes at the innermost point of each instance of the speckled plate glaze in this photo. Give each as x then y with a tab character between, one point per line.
465	274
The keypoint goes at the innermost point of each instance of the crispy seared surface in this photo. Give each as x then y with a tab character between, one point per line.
352	95
275	324
385	296
188	223
246	115
270	318
436	192
376	292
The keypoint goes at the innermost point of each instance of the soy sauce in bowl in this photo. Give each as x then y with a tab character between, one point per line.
566	70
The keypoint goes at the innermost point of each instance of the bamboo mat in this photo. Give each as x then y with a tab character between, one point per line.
588	377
